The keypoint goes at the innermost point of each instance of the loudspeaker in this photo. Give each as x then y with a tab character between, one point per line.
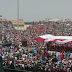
24	43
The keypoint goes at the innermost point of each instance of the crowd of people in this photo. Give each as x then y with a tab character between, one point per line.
36	56
9	33
41	28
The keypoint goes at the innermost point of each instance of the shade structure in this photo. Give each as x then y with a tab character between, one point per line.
47	36
55	39
40	39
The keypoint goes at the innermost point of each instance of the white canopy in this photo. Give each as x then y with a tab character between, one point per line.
48	36
57	39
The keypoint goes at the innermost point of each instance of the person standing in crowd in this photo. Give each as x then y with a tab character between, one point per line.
67	55
58	56
62	55
0	62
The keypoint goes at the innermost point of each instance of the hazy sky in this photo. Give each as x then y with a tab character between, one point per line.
36	9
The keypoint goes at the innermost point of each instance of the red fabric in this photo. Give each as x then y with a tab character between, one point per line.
13	49
37	56
39	39
22	62
1	48
38	28
8	62
70	41
43	56
47	53
53	41
16	62
57	39
62	55
55	68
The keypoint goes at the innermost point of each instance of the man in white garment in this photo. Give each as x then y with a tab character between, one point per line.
58	56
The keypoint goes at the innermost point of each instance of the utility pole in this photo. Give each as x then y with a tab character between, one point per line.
18	13
1	28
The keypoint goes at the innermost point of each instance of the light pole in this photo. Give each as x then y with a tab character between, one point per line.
18	13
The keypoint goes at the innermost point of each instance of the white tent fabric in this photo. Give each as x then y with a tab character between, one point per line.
47	40
46	36
57	39
62	42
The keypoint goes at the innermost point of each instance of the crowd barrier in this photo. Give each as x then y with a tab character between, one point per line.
12	70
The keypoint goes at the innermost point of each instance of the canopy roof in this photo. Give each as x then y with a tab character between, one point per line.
49	36
56	39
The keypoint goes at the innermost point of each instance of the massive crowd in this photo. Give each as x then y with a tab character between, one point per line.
36	55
